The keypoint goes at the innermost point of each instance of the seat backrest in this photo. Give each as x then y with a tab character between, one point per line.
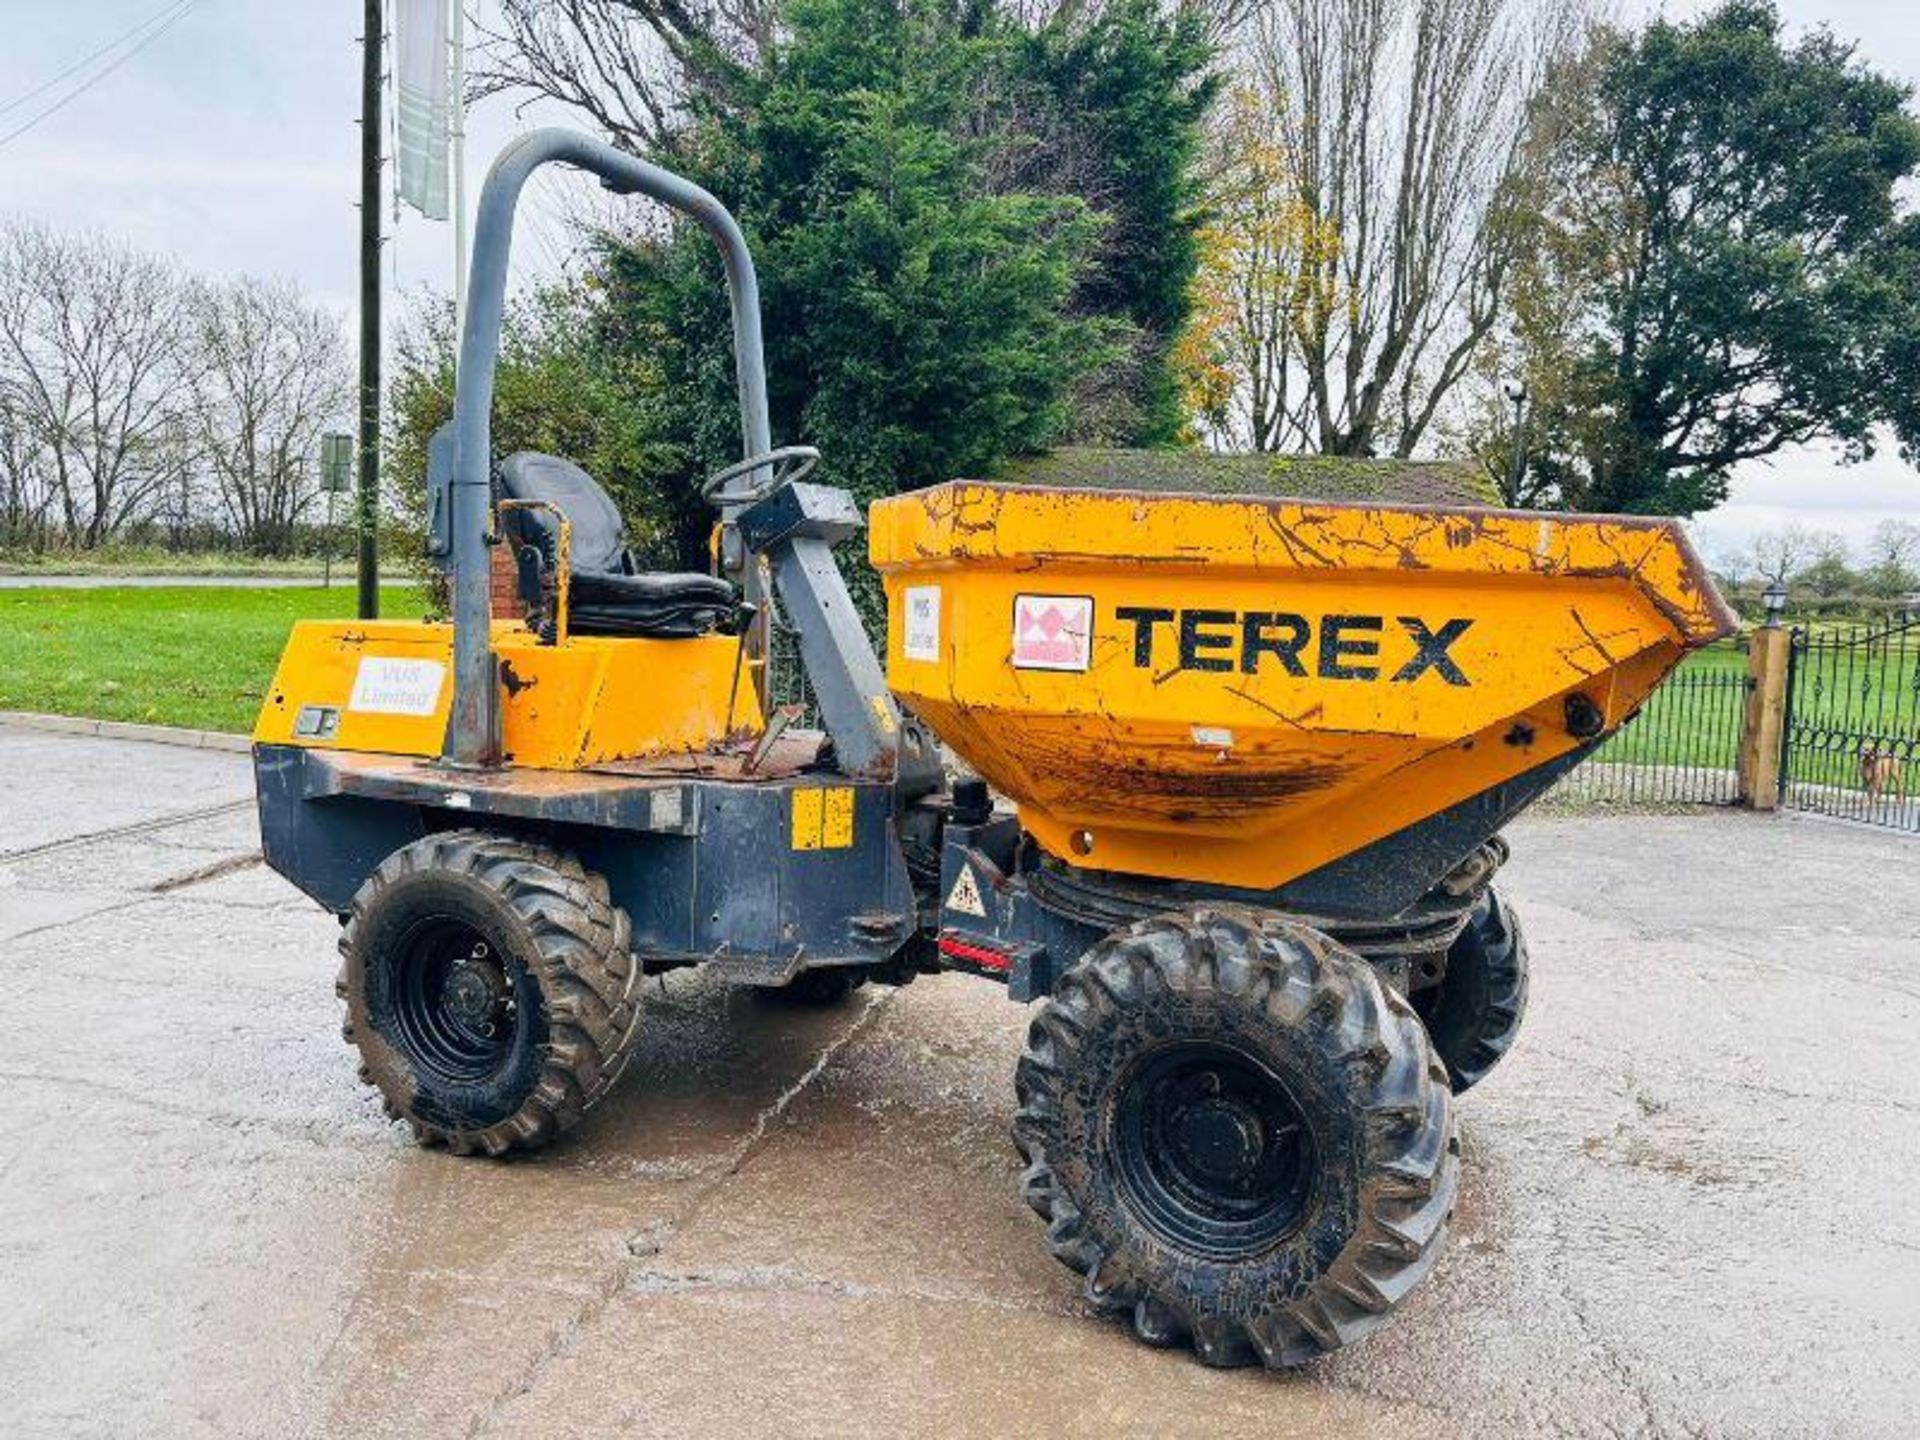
599	535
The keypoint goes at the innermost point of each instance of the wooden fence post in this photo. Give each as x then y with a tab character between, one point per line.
1769	651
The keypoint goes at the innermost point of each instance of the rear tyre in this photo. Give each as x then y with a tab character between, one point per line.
1237	1135
1474	1013
491	990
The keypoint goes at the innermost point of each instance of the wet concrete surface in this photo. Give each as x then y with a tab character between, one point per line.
1686	1207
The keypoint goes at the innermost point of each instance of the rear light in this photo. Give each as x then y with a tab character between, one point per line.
973	955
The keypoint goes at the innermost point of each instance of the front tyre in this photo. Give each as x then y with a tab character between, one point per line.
491	990
1237	1135
1474	1013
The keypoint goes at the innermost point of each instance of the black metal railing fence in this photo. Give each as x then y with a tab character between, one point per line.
1851	745
1682	747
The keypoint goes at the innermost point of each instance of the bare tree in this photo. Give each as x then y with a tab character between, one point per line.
25	493
1894	543
1778	556
272	371
628	65
1893	558
91	355
1732	565
1406	128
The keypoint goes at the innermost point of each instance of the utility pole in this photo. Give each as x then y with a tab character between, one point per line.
368	509
458	27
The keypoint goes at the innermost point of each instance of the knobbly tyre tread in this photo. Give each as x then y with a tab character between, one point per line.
1299	979
1473	1015
580	951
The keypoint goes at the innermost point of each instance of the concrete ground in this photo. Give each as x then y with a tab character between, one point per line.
1687	1209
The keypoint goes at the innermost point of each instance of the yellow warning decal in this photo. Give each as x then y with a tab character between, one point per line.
806	819
823	818
836	819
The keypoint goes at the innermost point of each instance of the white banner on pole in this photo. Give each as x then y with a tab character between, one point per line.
425	103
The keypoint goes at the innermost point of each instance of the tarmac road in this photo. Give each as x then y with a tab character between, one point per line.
1688	1205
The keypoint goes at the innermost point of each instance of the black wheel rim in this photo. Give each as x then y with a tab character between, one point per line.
455	997
1212	1151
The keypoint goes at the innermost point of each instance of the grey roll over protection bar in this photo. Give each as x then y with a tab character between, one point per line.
473	728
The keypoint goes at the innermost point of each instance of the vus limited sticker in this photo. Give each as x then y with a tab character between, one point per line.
386	686
923	622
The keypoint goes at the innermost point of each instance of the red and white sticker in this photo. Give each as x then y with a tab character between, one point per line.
1052	632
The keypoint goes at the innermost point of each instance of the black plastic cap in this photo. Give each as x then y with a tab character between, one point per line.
972	802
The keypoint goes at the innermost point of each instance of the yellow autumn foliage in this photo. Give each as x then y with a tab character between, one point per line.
1267	273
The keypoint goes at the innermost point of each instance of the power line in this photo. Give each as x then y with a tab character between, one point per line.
84	61
74	94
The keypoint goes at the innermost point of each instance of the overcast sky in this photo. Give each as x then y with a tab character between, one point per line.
230	142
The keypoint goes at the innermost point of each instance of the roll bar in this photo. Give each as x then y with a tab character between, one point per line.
473	730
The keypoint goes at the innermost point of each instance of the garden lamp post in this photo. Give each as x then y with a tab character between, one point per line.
1774	598
1516	393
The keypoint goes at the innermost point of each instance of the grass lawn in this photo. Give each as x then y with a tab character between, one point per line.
1842	700
196	657
1694	718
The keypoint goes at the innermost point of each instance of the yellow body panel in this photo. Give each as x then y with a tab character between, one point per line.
1239	690
590	701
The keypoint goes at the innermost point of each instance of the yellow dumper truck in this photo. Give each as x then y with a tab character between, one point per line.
1235	771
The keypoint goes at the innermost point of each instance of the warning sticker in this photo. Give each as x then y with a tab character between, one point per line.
385	686
823	818
1052	632
965	895
923	622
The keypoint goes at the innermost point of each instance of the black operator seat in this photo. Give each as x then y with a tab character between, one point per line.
609	594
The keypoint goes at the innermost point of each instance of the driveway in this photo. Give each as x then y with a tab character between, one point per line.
1687	1204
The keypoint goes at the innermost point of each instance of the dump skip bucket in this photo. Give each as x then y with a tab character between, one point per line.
1241	691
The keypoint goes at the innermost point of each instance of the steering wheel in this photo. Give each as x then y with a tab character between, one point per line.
780	467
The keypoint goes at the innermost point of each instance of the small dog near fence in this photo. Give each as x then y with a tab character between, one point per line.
1881	772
